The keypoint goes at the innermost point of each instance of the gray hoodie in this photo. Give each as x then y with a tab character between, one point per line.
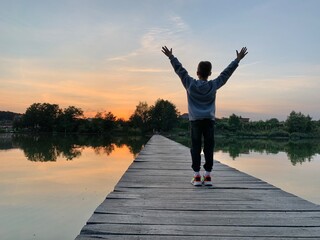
202	94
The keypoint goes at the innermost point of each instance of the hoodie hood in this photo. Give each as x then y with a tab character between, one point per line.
201	87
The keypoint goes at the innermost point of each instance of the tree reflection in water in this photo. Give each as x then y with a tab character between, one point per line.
298	151
48	148
44	148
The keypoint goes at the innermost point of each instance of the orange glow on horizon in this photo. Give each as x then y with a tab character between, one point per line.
119	114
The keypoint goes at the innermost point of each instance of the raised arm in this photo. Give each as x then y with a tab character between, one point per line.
177	66
226	73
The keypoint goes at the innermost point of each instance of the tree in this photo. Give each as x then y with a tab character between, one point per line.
163	115
272	123
103	123
234	122
141	116
297	122
42	116
109	122
69	118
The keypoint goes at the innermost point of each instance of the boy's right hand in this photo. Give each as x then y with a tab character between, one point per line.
166	51
241	54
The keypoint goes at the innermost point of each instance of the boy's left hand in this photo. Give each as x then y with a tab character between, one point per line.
166	51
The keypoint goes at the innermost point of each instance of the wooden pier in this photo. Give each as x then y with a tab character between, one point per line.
155	200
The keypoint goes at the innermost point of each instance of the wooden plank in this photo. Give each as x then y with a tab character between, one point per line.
170	202
190	230
211	209
154	200
222	218
171	237
220	194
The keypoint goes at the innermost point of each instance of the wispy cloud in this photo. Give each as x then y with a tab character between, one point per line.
155	37
147	70
123	57
245	65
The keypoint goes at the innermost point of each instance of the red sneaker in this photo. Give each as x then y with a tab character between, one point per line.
207	180
196	180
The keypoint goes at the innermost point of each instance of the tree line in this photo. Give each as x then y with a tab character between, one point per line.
46	117
163	116
297	125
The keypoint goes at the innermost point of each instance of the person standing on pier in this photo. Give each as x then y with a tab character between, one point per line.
201	95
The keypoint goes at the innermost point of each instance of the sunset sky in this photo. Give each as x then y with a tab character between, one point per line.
103	55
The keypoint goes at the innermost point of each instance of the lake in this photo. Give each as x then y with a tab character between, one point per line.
292	166
50	185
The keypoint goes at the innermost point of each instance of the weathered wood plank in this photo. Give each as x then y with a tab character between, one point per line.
220	194
190	230
154	200
161	202
124	209
222	218
171	237
226	195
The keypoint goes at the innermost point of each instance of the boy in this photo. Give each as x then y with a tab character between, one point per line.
201	95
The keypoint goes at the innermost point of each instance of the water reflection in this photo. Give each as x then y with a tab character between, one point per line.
44	148
297	151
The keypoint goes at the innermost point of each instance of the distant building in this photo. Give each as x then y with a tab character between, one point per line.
244	120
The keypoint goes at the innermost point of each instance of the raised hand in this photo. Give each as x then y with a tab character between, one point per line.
166	51
242	53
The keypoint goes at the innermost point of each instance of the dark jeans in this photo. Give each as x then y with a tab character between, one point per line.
199	128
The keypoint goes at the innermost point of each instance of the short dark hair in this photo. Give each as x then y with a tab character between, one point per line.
204	69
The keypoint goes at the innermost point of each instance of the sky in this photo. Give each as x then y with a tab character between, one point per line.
103	55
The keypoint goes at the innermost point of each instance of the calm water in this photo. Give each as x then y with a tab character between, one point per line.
50	186
293	166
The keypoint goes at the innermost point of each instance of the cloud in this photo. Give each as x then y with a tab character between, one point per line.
245	65
147	70
123	57
155	37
